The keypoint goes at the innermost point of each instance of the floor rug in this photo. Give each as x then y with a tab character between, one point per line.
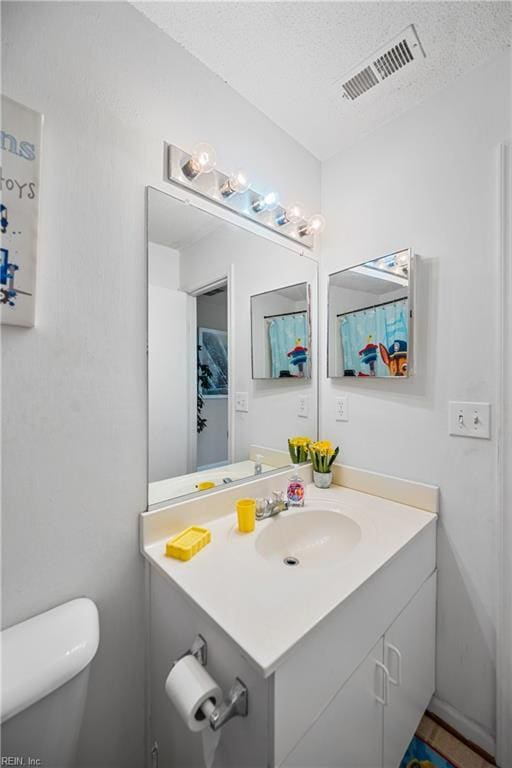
454	751
420	755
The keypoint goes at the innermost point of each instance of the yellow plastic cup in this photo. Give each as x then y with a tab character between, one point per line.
246	511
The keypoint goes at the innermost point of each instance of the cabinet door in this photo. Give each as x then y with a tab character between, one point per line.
409	655
348	733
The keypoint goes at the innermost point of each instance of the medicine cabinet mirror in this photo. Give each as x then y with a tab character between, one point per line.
210	422
370	318
281	338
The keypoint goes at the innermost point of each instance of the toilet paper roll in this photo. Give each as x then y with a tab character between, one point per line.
189	687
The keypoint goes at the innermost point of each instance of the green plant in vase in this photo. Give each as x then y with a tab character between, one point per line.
298	448
323	455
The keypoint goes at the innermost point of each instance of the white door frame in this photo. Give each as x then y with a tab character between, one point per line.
192	383
504	475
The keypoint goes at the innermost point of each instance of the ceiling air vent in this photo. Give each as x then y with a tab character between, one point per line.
401	52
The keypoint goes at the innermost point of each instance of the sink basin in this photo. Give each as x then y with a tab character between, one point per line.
313	538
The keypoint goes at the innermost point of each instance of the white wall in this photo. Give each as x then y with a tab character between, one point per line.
168	371
112	87
429	179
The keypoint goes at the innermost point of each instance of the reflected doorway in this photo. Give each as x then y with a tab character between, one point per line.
212	377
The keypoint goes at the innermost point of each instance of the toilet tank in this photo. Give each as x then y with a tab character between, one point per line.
45	670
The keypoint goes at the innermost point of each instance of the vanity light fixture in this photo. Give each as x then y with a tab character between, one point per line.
291	215
202	160
394	264
267	202
197	170
236	184
314	225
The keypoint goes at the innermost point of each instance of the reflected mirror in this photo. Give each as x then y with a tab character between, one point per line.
281	339
210	422
370	318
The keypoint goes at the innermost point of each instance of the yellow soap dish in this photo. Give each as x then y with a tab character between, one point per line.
205	486
188	543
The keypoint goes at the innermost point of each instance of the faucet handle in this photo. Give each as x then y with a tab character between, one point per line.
261	505
277	496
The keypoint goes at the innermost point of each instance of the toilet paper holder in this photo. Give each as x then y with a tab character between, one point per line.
237	704
198	649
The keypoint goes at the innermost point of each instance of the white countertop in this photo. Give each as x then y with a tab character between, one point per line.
267	607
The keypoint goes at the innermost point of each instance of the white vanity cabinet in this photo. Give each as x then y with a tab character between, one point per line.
372	718
409	655
348	733
337	655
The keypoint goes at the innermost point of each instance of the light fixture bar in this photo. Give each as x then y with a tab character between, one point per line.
249	203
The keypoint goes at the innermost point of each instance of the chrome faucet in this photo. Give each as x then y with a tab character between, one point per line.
271	506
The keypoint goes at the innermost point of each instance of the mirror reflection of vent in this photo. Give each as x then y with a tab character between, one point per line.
404	51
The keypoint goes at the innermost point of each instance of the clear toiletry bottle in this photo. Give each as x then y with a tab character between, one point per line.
295	492
258	469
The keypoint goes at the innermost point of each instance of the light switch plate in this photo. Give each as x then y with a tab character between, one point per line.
342	408
470	419
303	406
242	402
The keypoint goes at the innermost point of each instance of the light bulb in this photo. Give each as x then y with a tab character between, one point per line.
238	183
314	226
202	160
267	202
292	215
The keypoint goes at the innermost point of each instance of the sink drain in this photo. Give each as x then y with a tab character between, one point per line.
291	560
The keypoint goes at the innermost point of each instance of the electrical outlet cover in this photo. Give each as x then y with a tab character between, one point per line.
303	406
342	408
242	402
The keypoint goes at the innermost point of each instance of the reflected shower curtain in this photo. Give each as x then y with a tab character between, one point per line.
287	334
362	331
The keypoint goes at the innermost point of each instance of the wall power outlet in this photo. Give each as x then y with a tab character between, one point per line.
342	408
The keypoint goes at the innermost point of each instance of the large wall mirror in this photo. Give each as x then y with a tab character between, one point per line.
223	398
370	318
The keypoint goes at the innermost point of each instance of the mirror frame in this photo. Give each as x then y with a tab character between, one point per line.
214	208
411	305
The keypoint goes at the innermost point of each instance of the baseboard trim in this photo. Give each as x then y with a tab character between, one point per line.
471	731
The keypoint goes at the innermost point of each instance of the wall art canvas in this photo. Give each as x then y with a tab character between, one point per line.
214	353
21	135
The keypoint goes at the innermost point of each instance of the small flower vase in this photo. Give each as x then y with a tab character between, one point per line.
322	479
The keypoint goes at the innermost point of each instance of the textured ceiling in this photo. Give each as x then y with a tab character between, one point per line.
287	58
